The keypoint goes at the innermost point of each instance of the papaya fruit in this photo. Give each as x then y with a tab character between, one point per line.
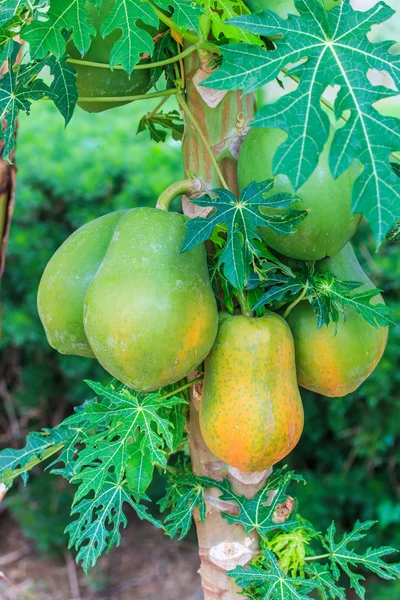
335	359
251	414
65	281
329	224
95	82
120	289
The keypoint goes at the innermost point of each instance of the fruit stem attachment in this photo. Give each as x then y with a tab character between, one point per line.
139	67
293	304
188	384
129	98
185	186
243	302
203	138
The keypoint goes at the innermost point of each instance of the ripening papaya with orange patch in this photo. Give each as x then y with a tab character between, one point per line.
251	414
120	290
335	359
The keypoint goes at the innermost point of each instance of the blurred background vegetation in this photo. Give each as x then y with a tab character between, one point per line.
350	447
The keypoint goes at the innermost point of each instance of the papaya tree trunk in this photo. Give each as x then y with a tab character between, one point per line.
7	194
223	119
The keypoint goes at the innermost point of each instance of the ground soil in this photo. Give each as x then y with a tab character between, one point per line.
146	566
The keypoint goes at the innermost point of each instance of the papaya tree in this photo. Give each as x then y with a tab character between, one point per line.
208	320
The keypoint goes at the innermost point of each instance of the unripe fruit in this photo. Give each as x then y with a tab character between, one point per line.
329	224
335	360
98	82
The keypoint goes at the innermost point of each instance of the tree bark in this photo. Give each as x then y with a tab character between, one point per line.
223	118
7	195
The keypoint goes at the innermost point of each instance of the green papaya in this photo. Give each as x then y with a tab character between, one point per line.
335	360
251	415
96	82
65	281
329	224
120	289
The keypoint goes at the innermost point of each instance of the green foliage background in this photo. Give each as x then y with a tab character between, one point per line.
349	449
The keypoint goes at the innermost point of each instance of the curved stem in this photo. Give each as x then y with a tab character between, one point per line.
299	299
139	67
129	98
186	186
182	387
203	138
157	108
187	35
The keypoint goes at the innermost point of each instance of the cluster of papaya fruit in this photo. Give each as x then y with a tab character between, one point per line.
119	289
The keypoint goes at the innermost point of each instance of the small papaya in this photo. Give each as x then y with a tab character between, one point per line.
329	224
97	82
251	414
119	289
335	359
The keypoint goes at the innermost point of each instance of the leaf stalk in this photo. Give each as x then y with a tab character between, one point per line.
293	304
106	99
203	138
138	67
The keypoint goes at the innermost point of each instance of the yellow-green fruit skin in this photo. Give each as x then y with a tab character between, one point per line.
334	361
65	281
251	414
329	224
150	313
99	82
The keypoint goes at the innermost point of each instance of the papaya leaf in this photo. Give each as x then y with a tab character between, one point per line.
97	527
291	548
135	40
120	418
18	88
160	123
139	472
63	90
39	446
287	289
330	297
47	34
258	513
328	588
21	85
12	9
184	492
343	558
393	234
265	580
186	13
327	48
217	12
242	217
